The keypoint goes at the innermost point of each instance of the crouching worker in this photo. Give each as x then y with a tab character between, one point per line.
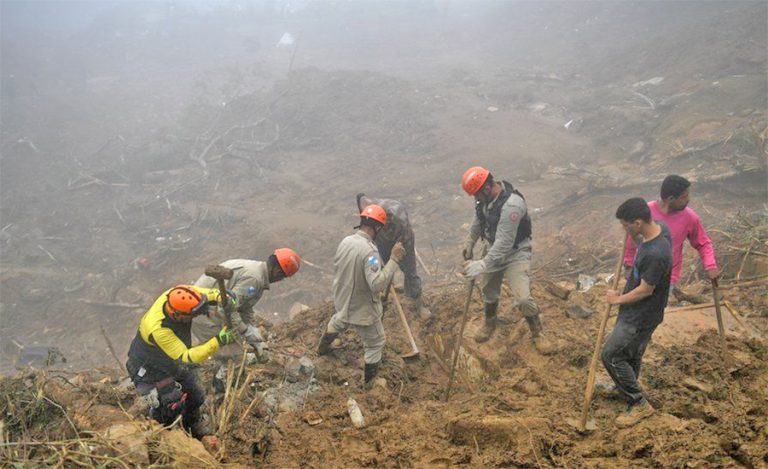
250	279
161	359
358	282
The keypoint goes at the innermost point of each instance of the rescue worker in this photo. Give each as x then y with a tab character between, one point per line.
249	280
502	221
161	358
398	228
358	282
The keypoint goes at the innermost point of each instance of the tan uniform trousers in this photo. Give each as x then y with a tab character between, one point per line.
517	273
373	336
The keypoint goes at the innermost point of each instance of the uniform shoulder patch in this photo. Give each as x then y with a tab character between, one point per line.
514	216
373	263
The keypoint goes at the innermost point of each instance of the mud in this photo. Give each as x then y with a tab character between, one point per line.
171	161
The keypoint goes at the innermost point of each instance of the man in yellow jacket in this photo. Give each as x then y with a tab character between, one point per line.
161	358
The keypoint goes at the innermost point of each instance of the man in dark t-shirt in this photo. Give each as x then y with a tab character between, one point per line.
641	306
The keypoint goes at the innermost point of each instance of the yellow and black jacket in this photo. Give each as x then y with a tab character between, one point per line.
161	345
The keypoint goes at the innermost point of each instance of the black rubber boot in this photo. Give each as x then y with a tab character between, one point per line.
371	370
325	343
490	323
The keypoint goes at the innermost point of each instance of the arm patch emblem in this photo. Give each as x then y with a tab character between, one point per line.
373	263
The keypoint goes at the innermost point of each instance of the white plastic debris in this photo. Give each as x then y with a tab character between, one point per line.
585	282
355	414
492	109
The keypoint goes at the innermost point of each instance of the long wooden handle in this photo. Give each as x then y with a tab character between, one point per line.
457	342
414	348
720	327
224	300
598	342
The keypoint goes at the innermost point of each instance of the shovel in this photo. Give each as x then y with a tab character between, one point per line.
414	353
582	424
720	328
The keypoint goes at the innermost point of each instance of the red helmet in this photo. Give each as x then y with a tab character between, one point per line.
473	179
375	212
289	261
185	302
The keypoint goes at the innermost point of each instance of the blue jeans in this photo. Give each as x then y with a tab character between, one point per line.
622	355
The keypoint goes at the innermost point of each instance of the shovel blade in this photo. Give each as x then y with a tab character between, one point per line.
590	426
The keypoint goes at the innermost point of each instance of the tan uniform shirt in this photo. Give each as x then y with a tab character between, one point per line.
359	280
248	282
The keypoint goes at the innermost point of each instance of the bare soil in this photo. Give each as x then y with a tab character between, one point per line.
153	156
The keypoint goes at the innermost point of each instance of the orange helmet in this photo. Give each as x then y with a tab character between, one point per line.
289	261
185	302
473	179
375	212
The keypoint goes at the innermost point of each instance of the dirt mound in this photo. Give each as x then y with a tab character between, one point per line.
508	408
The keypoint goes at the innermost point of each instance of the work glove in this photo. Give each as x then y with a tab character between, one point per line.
252	335
172	403
474	268
151	399
466	251
231	305
398	252
225	336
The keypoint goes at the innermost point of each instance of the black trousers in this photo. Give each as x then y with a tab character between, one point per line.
622	356
186	377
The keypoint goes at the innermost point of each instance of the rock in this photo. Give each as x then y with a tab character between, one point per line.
182	450
306	366
558	291
270	401
697	385
129	439
286	406
578	312
380	382
492	109
312	418
126	385
297	309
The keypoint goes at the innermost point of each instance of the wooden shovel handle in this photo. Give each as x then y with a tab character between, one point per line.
414	348
599	342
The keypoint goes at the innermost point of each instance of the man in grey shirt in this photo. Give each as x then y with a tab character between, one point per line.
502	221
358	282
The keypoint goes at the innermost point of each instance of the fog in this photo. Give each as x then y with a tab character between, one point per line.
190	132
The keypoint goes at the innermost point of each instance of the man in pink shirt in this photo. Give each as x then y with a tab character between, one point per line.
683	224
